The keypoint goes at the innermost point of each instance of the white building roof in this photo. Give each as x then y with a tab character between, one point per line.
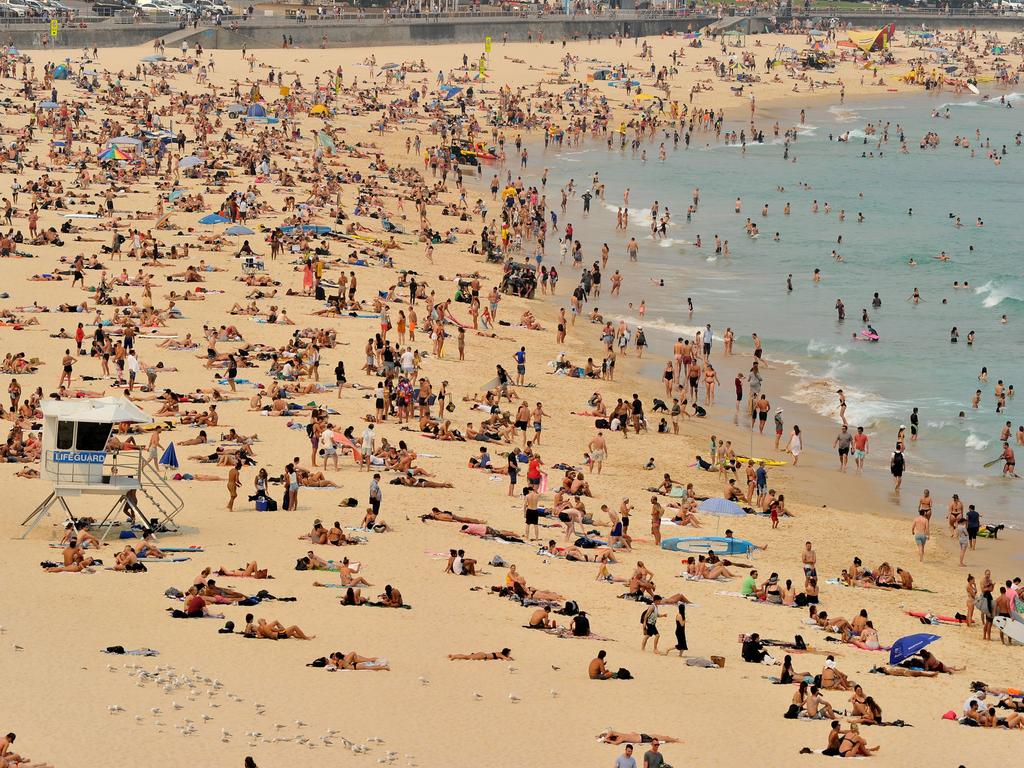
104	410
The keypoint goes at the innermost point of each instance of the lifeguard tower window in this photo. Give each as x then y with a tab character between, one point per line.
65	435
92	436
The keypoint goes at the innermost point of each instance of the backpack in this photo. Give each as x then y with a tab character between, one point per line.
571	608
645	614
623	674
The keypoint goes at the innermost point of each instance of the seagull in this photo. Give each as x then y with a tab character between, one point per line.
279	726
512	670
155	710
554	694
115	708
513	698
224	733
206	718
176	705
139	719
111	668
17	647
477	695
300	724
424	681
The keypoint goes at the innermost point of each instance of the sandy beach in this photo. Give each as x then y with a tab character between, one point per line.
212	699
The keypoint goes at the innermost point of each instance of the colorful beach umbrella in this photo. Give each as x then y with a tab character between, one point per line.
907	646
114	153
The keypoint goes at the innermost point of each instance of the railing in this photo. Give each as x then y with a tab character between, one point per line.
96	468
153	483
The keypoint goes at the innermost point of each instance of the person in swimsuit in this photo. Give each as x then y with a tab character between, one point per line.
853	744
505	654
633	737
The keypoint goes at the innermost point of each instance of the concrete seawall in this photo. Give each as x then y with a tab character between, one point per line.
268	33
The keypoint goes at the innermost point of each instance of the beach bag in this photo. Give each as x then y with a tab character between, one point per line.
799	644
321	662
300	565
719	661
498	562
793	712
261	504
571	608
623	674
271	505
601	423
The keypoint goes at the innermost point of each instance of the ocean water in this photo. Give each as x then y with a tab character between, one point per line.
914	364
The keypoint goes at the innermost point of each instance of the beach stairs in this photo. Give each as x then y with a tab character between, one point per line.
158	494
209	37
749	25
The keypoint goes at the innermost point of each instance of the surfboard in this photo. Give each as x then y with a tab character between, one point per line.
1010	628
973	88
767	462
701	544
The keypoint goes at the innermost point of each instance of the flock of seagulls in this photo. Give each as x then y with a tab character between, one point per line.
195	688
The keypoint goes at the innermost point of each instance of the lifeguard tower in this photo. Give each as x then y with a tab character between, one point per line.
76	459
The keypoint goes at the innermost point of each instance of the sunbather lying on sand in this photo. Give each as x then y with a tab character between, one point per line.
505	654
272	630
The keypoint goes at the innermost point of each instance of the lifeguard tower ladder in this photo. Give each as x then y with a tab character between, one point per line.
75	459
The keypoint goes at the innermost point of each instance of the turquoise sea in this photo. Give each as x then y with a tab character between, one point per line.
914	364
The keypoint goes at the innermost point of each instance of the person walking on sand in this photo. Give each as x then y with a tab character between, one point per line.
897	466
649	620
598	448
234	483
795	444
920	531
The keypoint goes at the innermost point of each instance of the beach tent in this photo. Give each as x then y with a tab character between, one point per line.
319	109
450	90
60	72
256	110
189	162
907	646
602	74
213	218
873	41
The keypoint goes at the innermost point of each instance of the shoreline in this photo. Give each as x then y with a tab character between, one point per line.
489	705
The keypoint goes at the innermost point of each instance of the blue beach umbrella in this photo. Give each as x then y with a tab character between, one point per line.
907	646
170	457
721	508
238	229
213	218
48	105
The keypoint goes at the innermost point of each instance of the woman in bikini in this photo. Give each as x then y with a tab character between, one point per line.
505	654
854	745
